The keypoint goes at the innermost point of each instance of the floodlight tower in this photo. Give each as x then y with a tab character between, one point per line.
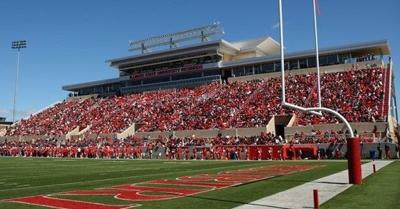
173	39
353	143
20	44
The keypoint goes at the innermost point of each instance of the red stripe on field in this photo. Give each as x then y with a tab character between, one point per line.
51	202
138	196
177	191
239	178
192	183
133	192
122	194
92	192
201	177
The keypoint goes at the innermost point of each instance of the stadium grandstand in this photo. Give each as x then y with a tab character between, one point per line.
195	119
217	92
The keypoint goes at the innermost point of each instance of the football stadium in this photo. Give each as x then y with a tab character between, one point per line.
194	120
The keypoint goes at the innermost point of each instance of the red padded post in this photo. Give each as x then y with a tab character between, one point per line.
354	160
316	199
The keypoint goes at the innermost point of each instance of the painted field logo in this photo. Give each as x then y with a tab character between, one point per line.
161	189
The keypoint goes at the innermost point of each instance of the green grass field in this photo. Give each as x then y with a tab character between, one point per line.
381	190
21	177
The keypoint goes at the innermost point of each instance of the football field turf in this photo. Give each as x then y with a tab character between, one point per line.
24	177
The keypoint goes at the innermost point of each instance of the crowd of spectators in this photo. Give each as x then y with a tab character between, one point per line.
135	147
357	94
331	136
219	147
79	148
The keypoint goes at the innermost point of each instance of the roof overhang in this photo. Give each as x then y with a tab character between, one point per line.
74	87
206	47
372	47
263	45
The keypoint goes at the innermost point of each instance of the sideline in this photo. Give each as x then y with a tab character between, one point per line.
301	197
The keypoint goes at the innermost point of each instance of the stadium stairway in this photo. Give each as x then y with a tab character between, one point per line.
76	132
127	132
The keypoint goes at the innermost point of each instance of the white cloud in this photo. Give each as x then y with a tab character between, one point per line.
275	26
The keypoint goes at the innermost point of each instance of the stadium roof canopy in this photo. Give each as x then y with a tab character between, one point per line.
262	46
372	47
94	83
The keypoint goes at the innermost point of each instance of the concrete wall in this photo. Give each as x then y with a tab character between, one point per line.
94	136
360	127
154	134
205	133
365	149
28	138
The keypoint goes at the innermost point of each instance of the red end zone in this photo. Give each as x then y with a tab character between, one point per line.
58	203
162	189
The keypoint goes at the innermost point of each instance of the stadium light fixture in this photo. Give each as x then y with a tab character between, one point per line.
172	39
20	44
353	143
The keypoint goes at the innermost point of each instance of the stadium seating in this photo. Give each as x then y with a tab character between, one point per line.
357	94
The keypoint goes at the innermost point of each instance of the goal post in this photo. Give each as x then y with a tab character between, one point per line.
353	143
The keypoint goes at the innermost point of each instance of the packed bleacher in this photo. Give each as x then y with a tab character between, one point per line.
357	94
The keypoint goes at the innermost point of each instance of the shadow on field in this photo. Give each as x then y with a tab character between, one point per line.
274	178
302	181
306	181
233	201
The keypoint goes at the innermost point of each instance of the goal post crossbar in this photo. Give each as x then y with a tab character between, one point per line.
312	110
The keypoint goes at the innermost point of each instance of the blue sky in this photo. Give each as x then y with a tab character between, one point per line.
69	40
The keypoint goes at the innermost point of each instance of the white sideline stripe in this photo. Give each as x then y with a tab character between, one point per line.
301	196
